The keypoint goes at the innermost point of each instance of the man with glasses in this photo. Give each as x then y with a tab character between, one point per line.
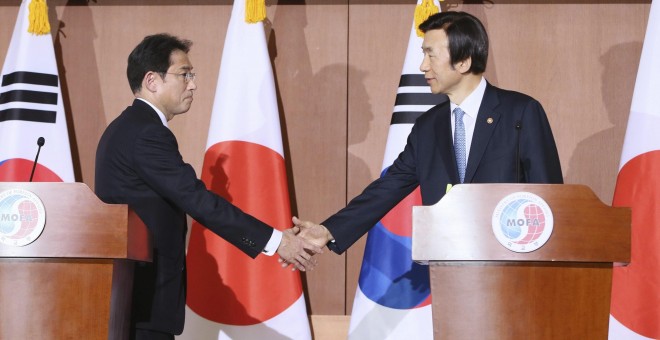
138	163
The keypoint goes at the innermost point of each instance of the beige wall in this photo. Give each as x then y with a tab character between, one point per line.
337	66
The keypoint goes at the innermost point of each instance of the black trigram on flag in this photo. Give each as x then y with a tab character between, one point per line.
413	98
26	96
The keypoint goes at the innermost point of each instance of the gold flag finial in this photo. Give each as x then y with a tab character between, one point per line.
422	12
38	17
255	11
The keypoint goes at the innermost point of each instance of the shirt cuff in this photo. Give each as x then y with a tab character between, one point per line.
273	243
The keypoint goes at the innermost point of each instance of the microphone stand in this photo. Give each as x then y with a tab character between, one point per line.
41	141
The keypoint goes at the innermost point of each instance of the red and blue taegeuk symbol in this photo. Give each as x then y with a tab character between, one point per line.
388	275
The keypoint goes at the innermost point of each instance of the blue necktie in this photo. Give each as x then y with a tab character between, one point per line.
459	143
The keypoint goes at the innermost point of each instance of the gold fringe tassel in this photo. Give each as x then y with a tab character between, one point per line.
255	11
38	17
422	12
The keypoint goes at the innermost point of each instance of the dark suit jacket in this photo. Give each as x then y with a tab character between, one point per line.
138	163
428	160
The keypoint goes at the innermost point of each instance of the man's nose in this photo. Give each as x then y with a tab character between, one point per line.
424	65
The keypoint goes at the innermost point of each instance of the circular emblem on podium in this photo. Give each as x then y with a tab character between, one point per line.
22	217
522	222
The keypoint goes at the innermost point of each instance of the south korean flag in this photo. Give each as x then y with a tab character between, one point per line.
31	108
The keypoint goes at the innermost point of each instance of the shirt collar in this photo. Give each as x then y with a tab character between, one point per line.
160	114
473	101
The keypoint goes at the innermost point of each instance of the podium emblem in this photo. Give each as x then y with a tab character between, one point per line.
22	217
522	222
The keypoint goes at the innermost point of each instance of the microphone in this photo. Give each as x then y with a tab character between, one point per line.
41	141
518	127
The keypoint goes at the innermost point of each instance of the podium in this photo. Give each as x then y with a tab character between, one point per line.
74	280
481	289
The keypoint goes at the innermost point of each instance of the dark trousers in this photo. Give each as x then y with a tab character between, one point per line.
145	334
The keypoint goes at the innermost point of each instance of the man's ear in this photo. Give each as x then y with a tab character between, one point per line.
151	81
464	65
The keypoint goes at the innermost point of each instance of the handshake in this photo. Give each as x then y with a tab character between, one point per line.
300	243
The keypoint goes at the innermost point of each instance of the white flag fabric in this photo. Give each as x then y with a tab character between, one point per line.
393	298
244	162
635	308
31	107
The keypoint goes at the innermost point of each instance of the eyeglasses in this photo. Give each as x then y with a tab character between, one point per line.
187	77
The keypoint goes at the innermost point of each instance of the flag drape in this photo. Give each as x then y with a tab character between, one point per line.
31	107
231	295
635	307
393	297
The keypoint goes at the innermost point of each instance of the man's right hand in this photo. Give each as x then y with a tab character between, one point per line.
312	232
297	251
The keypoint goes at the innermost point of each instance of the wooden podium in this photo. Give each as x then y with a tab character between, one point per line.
75	280
483	290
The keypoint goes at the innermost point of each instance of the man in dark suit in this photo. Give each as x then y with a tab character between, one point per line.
138	163
483	134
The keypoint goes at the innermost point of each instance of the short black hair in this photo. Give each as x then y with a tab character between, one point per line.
153	54
467	37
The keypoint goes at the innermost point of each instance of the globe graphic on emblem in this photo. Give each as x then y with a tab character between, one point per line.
7	209
20	216
522	216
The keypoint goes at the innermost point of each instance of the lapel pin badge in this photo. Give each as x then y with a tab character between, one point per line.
489	120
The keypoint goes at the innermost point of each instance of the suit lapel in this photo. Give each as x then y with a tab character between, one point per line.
483	130
444	142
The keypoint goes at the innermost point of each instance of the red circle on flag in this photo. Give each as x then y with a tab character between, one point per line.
635	294
19	170
224	284
399	220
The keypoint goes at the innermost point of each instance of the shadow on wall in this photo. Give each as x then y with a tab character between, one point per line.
595	161
359	125
74	36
